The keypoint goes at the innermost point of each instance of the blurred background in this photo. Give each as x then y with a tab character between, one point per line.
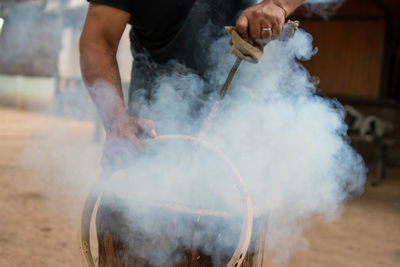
39	59
358	63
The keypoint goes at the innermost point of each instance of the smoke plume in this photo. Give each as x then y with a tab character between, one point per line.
288	144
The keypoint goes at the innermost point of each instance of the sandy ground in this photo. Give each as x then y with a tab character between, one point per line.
41	192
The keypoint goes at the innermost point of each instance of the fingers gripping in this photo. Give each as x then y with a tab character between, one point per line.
251	51
243	49
242	25
266	31
147	126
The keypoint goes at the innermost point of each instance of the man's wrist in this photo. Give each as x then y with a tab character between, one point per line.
288	6
281	4
119	117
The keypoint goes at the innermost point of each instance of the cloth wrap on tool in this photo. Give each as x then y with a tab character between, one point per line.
252	51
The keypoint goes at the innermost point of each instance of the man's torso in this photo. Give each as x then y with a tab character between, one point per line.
168	30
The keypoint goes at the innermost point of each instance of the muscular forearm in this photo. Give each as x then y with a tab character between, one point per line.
98	45
100	72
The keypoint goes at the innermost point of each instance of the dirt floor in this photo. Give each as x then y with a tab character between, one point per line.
41	192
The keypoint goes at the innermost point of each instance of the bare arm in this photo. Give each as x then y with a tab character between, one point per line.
99	41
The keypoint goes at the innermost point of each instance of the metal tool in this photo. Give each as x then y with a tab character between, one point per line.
221	95
288	31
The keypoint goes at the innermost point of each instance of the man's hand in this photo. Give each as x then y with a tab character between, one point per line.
264	21
122	140
100	37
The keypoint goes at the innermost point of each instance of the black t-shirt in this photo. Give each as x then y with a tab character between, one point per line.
166	32
169	29
155	22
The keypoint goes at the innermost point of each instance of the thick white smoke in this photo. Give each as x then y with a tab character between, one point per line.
288	144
